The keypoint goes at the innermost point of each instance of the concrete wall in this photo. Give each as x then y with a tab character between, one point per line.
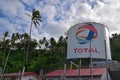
30	77
72	78
112	65
24	78
106	76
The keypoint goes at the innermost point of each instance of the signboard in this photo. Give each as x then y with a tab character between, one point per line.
86	38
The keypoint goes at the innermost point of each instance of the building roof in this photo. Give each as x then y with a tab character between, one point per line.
75	72
18	74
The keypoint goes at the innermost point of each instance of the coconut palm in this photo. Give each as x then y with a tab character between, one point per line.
23	43
9	51
35	19
5	35
4	45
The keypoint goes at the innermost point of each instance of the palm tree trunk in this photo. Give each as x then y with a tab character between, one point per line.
4	52
2	73
28	43
4	67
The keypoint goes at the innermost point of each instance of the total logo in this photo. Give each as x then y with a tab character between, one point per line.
86	33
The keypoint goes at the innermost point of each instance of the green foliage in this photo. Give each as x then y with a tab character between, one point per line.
1	57
115	46
44	54
48	57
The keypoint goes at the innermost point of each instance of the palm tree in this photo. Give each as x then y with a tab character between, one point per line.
43	42
4	45
53	44
9	51
35	19
17	40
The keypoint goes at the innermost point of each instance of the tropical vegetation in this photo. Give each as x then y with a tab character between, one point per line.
43	54
46	54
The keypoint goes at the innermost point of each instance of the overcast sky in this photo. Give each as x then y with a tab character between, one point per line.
57	15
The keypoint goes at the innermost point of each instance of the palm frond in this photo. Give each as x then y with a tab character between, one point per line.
35	24
28	14
40	20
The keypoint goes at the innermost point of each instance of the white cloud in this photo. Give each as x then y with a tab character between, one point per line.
60	15
79	12
106	13
36	35
109	14
29	2
6	26
15	12
11	8
55	29
49	11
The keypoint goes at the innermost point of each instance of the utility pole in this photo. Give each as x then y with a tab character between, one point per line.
64	71
106	61
79	68
91	63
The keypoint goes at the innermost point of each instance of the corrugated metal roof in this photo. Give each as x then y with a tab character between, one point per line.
25	74
75	72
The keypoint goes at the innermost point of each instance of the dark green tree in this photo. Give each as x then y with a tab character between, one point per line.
115	46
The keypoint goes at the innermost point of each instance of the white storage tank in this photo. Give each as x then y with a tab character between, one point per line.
88	38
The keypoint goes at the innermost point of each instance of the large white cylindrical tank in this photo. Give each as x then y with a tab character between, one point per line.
88	38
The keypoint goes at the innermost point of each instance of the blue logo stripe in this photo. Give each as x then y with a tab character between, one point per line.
90	35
